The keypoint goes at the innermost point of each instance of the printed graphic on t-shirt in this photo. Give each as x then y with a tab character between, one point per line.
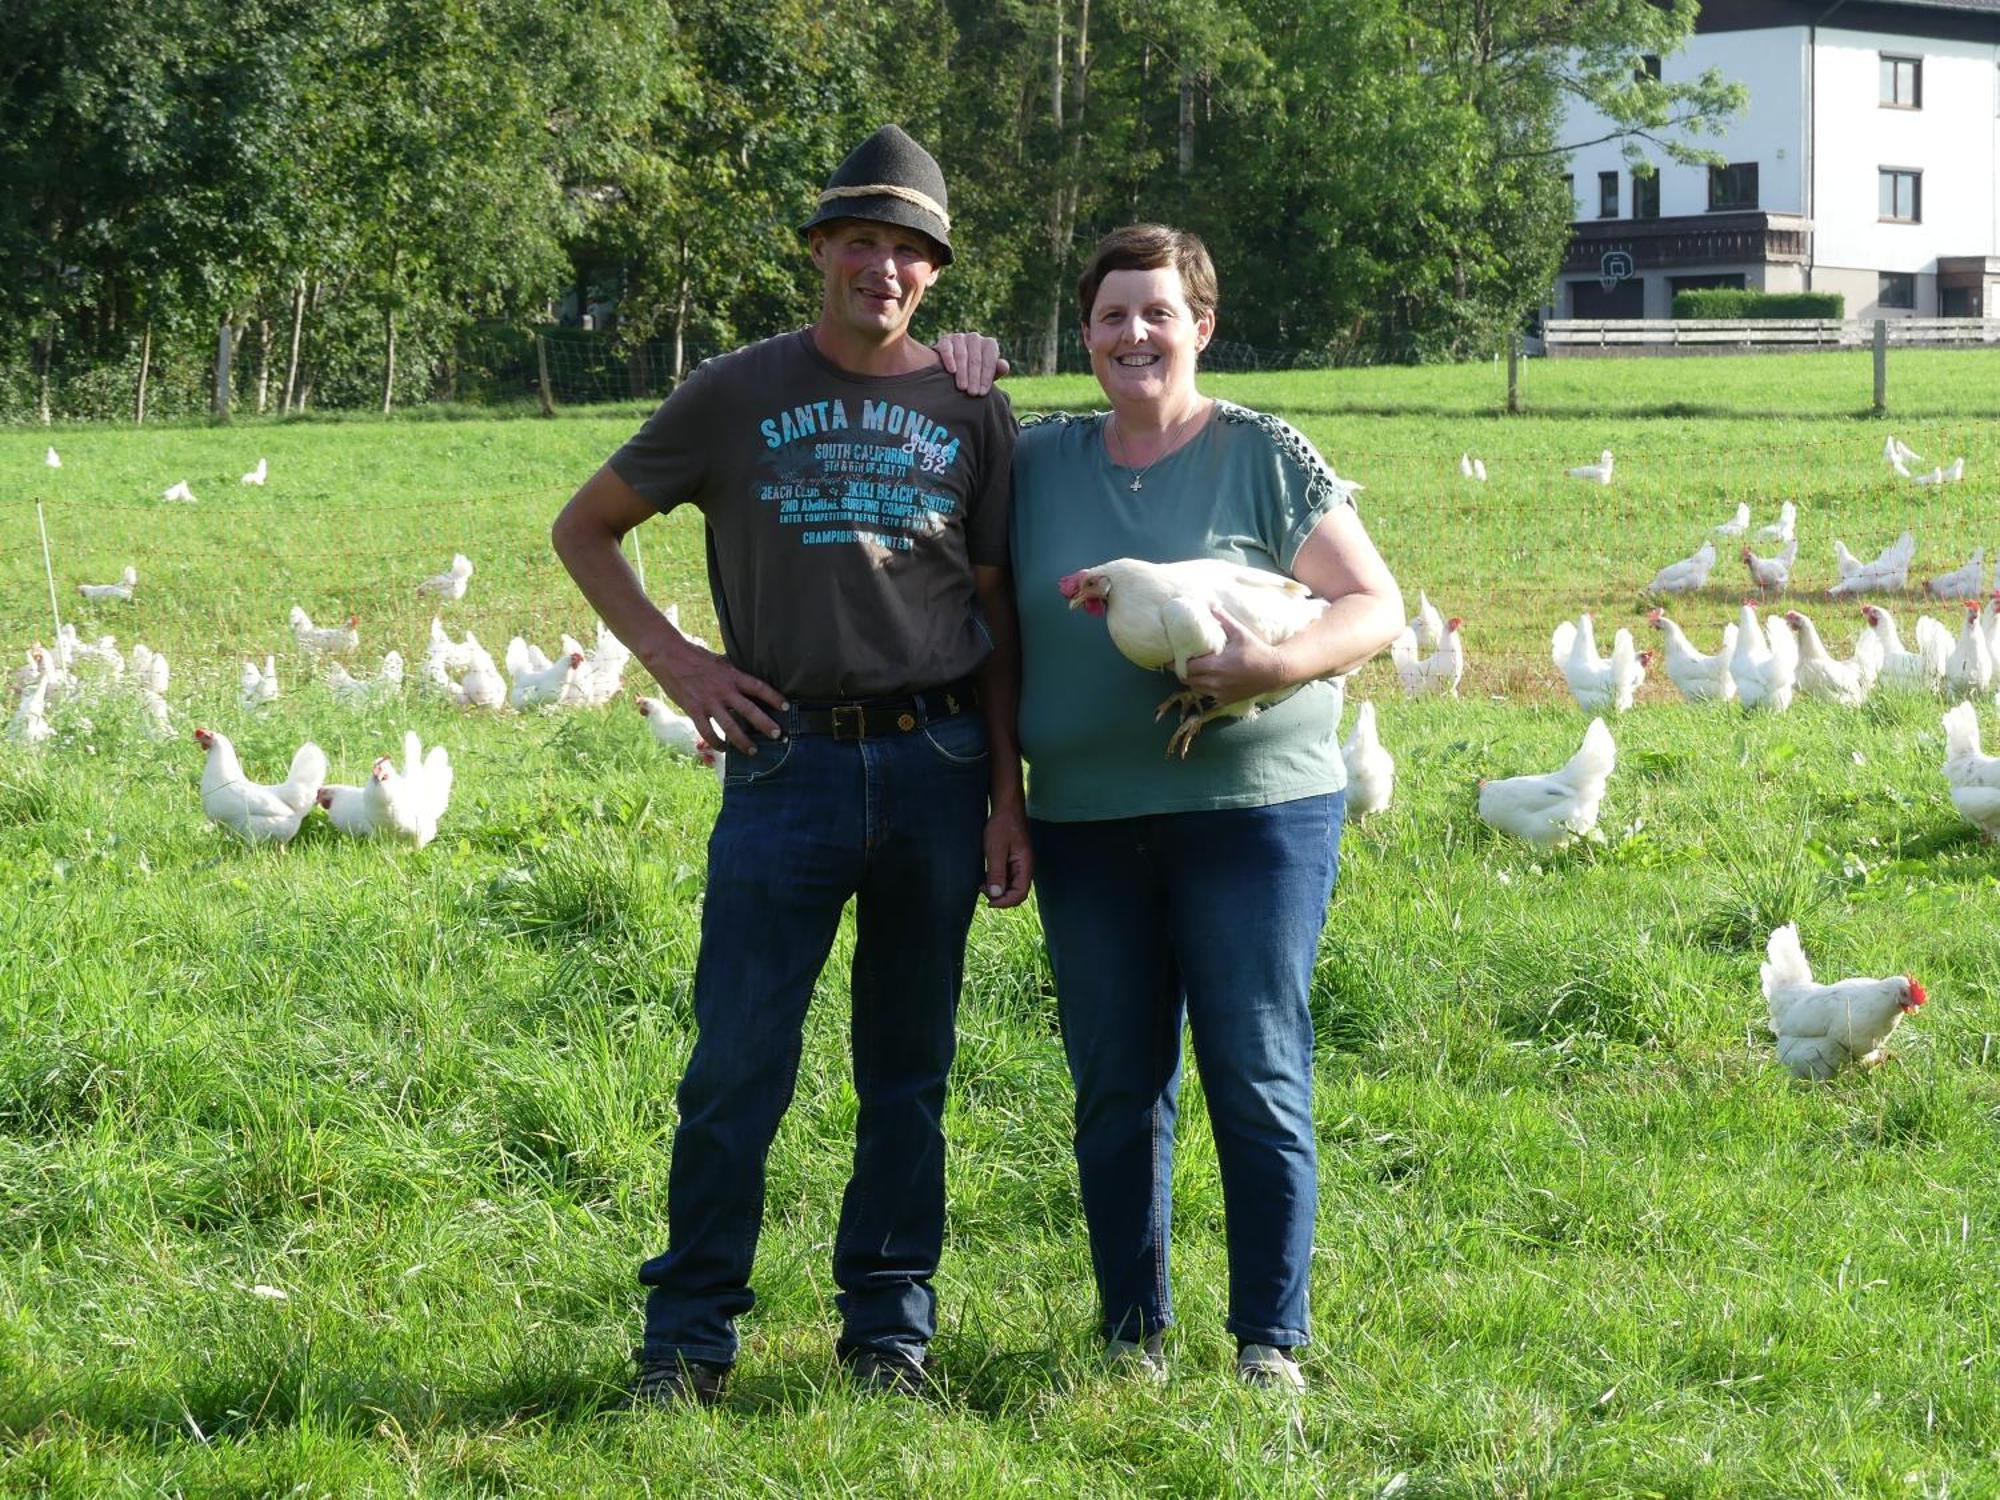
874	473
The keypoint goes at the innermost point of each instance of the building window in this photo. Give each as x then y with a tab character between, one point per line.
1902	195
1607	195
1733	186
1902	82
1648	70
1646	196
1896	289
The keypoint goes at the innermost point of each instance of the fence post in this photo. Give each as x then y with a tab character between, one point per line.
1514	373
542	371
1881	366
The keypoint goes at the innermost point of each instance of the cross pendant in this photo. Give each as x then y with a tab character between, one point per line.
1135	484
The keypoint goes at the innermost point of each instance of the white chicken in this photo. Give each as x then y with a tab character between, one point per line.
178	491
357	692
1598	683
1974	777
535	687
1472	468
1371	770
409	802
1955	470
53	459
259	474
450	584
30	725
1823	675
482	686
349	810
1551	809
1821	1028
674	730
121	591
254	688
1428	623
1162	614
1935	476
319	639
1887	573
1598	473
453	656
1772	574
41	666
1922	669
1968	670
1687	575
1436	675
1968	582
255	813
602	676
1895	450
1701	679
1765	667
1737	524
1784	528
1991	614
149	669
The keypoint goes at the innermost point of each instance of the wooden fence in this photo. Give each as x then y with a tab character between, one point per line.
1597	337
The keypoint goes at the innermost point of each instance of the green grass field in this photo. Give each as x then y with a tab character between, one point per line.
1579	1235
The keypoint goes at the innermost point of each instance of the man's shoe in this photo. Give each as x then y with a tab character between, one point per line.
886	1374
1269	1368
1145	1361
669	1380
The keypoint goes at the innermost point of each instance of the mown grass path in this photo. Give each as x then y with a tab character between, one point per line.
326	1171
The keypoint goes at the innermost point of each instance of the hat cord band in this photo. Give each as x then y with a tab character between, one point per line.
924	201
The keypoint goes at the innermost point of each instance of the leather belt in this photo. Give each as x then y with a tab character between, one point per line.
867	718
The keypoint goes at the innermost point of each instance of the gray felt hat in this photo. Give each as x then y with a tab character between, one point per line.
889	178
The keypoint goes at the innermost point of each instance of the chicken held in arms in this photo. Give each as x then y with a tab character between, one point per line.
1162	614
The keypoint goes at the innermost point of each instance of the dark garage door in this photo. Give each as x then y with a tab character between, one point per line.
1627	299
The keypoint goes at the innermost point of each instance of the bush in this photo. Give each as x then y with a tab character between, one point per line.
1728	302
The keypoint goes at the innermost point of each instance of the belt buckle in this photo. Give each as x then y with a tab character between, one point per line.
850	721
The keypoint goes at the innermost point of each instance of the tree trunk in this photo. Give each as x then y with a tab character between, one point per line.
388	357
1064	196
680	323
298	331
1186	162
225	345
263	364
45	354
306	381
145	368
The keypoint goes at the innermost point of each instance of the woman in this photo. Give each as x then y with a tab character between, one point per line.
1193	886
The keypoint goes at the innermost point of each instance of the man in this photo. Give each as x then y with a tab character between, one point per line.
856	519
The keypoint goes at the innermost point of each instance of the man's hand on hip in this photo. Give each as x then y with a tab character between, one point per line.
723	702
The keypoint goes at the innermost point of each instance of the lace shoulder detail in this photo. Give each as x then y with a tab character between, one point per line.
1323	486
1057	419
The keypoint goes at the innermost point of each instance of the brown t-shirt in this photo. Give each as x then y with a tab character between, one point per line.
845	513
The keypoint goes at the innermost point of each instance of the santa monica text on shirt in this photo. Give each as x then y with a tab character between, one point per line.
932	439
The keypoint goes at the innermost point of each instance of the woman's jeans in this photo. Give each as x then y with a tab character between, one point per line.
1215	915
896	823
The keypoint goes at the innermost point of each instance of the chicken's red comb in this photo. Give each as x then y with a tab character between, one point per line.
1917	995
1454	623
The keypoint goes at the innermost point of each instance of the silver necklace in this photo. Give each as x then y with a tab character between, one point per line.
1139	475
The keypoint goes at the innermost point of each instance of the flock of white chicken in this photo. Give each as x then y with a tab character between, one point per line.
403	803
1160	616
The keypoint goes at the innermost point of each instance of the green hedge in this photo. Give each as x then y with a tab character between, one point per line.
1728	302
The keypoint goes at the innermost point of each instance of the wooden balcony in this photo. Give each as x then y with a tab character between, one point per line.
1747	238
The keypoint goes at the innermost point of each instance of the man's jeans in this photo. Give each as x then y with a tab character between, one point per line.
806	823
1216	915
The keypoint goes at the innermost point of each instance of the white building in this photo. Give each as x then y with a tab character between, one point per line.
1867	162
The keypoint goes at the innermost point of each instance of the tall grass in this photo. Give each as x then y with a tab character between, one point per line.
327	1170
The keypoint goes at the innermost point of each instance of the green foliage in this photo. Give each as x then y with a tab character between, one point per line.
1731	302
1379	180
